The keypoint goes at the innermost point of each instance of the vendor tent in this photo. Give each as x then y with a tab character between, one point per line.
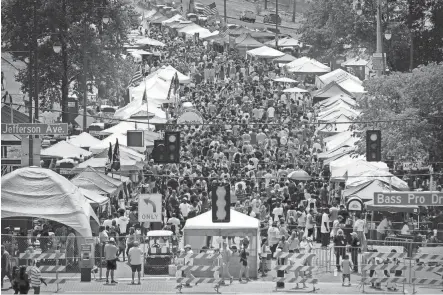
63	149
366	191
93	197
125	154
284	42
42	193
337	98
295	90
264	52
285	80
175	18
284	59
168	72
307	65
239	31
102	163
330	90
123	127
246	41
83	140
383	175
150	42
337	75
354	62
356	168
122	140
99	178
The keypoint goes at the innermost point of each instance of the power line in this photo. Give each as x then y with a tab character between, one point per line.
242	124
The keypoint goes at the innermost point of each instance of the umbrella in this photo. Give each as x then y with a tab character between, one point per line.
299	175
295	89
285	80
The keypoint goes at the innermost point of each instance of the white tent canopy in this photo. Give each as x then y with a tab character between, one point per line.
175	18
168	72
337	98
307	65
150	42
264	52
94	197
83	140
123	127
122	140
63	149
338	76
383	175
295	90
285	80
356	167
240	225
42	193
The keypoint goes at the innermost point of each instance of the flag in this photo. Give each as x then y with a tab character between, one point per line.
210	9
145	97
173	90
137	77
110	153
116	157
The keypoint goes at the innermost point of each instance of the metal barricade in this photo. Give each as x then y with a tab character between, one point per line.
429	270
302	264
48	268
181	268
367	267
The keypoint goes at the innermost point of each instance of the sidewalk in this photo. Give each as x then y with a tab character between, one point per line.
167	286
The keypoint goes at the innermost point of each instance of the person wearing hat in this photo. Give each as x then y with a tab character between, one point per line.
111	260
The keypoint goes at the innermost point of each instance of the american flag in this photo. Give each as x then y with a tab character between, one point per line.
210	9
137	77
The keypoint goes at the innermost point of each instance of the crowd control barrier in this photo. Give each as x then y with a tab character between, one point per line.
382	269
302	265
47	268
188	269
429	270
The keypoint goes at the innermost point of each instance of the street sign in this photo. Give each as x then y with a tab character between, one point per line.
377	61
409	198
35	129
150	208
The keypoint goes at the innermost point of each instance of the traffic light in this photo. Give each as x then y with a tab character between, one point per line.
221	203
172	144
159	152
373	145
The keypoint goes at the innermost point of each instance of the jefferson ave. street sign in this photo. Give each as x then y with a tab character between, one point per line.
35	129
409	198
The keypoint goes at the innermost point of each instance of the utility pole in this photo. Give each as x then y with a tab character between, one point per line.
411	38
226	17
379	37
32	82
276	24
294	10
64	51
266	4
85	85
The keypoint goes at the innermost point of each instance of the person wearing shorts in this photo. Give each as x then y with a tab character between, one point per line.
244	268
135	257
111	260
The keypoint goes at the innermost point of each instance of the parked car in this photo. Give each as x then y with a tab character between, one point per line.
248	16
271	18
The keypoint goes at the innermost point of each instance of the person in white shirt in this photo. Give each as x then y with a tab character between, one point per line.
324	229
270	113
359	227
277	212
310	223
256	203
184	208
382	228
135	260
405	229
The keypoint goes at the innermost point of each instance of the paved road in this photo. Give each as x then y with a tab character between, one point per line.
167	286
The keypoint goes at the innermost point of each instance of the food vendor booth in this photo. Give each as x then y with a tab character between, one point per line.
197	230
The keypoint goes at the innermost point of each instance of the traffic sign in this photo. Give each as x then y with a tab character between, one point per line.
150	208
409	198
35	129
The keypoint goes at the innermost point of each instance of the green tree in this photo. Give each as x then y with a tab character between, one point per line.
79	28
333	28
413	102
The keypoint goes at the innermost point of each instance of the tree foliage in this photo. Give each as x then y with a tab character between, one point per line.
413	102
332	26
78	26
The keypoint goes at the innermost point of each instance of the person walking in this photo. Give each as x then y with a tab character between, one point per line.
22	283
111	260
135	257
359	228
324	229
189	261
36	277
346	265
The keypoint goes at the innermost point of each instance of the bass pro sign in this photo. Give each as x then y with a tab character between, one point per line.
150	208
409	198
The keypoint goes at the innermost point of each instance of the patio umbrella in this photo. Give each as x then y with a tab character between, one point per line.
285	80
295	89
299	175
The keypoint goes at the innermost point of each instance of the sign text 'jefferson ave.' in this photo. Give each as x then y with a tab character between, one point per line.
35	129
409	198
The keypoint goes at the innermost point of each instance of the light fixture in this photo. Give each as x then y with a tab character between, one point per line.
106	19
388	34
57	47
